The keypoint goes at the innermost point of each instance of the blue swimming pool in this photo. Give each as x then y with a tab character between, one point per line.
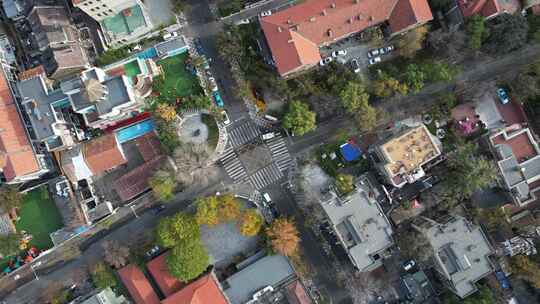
134	131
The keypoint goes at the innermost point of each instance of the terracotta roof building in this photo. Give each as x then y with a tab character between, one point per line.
163	279
204	290
103	153
486	8
294	35
18	160
138	285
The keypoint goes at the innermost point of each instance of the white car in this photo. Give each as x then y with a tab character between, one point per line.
355	66
266	13
375	60
389	48
335	54
325	61
268	136
373	53
243	21
226	120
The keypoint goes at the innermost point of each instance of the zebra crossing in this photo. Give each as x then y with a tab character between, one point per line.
232	165
266	176
244	134
280	152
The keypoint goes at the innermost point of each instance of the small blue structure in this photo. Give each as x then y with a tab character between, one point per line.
134	131
350	152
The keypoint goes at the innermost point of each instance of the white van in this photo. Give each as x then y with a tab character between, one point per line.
267	198
268	136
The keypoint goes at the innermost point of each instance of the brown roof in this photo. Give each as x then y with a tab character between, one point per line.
521	145
135	182
149	146
31	73
294	34
296	293
19	158
103	153
138	286
484	8
205	290
160	273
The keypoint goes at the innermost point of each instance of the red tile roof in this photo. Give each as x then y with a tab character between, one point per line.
103	153
149	146
205	290
138	286
521	145
486	8
135	182
31	73
19	158
294	34
160	273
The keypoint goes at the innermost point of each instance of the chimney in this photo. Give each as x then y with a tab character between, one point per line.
329	32
279	29
312	19
333	5
289	21
350	20
324	13
356	1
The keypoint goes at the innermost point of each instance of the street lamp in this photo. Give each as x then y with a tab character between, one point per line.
133	210
34	270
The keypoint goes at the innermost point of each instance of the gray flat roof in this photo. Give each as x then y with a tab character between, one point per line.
41	116
461	251
268	271
118	95
362	227
170	45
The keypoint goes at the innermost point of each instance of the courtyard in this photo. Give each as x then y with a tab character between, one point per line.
178	81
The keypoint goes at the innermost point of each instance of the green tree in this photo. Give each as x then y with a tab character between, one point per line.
187	260
366	118
526	269
10	198
196	102
415	77
175	229
207	210
412	41
163	184
299	119
344	183
250	223
353	96
507	32
476	30
10	244
102	276
168	136
438	71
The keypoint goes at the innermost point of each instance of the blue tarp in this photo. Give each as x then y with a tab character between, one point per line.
350	152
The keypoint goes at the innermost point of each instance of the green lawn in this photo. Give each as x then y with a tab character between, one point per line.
39	217
178	81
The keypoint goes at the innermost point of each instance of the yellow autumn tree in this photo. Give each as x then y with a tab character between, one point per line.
283	236
250	222
166	112
207	210
229	207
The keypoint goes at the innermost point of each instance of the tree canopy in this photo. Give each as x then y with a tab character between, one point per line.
299	119
283	237
229	207
165	112
207	210
163	184
476	30
526	269
10	244
10	198
102	276
507	32
115	254
353	96
176	229
250	222
344	183
188	260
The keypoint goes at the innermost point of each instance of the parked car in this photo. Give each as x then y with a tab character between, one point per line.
375	60
213	84
266	13
267	198
153	252
335	54
389	48
243	21
217	99
158	208
226	120
409	266
274	210
198	46
503	280
382	51
325	61
503	96
355	66
373	53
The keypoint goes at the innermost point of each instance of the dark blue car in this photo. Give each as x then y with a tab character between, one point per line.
503	280
198	46
218	100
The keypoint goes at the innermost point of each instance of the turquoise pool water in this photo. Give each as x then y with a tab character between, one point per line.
134	131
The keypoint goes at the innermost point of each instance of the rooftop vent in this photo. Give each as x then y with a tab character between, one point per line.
324	13
329	32
312	19
279	29
333	5
356	1
350	20
289	21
